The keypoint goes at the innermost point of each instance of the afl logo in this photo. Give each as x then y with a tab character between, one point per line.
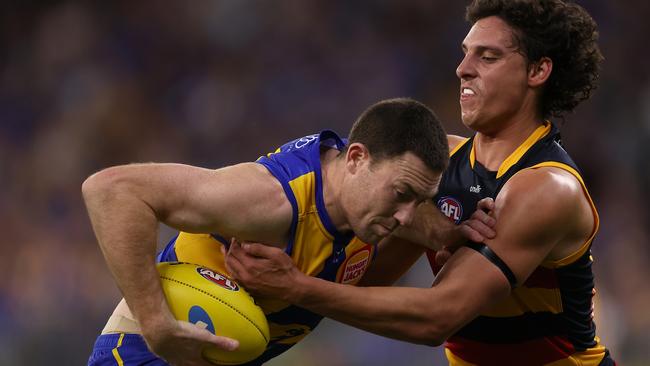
218	278
451	208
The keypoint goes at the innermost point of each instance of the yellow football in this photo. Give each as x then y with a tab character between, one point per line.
211	300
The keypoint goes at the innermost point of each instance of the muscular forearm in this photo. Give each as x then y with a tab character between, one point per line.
126	229
431	229
409	314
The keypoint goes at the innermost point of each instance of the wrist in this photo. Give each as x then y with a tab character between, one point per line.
153	317
299	292
447	236
455	236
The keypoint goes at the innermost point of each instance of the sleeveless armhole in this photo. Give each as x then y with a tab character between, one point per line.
585	246
288	191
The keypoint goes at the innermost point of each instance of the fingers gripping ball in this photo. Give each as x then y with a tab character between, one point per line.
211	300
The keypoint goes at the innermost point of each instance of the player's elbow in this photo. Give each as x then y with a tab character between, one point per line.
423	334
435	331
432	336
102	184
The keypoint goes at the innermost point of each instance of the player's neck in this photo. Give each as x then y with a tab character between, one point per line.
493	148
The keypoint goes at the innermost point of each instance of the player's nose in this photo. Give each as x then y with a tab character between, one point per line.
404	214
465	69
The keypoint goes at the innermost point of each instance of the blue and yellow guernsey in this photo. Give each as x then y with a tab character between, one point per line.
548	320
314	244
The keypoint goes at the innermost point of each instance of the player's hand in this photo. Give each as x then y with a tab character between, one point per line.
478	228
181	343
263	270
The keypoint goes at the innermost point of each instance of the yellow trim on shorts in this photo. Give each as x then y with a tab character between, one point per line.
116	354
585	246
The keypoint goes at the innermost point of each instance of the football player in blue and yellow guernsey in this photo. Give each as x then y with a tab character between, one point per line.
324	200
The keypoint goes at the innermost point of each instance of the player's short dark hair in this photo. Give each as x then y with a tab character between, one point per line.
393	127
560	30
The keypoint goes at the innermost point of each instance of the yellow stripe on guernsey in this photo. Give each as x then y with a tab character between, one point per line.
511	160
313	243
524	299
455	360
457	147
590	357
116	354
310	258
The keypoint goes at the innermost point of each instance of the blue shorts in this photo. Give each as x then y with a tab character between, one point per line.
123	349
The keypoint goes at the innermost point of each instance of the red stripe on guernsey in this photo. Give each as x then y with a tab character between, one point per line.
540	351
542	278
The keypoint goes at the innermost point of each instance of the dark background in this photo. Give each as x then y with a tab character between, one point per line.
86	85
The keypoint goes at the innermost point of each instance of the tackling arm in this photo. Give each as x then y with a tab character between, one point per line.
467	284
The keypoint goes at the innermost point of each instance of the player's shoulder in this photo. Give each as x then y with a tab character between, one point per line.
547	179
546	188
455	142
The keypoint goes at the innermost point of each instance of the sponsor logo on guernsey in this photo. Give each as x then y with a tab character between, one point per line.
475	189
451	208
356	266
218	278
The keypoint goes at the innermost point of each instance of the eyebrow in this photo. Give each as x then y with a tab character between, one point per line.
481	49
419	196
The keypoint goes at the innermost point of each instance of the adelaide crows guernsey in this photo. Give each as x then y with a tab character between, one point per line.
314	244
548	319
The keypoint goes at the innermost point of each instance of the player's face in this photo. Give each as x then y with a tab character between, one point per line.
493	77
385	194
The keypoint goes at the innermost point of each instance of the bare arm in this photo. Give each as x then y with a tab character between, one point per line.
126	203
431	229
395	255
467	284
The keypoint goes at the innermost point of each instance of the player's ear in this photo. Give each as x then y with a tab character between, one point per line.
539	71
356	156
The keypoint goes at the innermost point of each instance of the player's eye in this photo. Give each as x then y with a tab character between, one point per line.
402	196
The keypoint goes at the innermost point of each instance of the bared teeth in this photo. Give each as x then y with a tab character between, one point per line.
468	91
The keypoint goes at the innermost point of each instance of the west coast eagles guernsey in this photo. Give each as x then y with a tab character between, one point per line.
548	319
314	244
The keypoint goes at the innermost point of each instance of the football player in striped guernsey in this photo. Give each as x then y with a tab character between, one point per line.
525	296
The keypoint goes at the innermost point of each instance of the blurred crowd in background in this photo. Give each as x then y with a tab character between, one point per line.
89	84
